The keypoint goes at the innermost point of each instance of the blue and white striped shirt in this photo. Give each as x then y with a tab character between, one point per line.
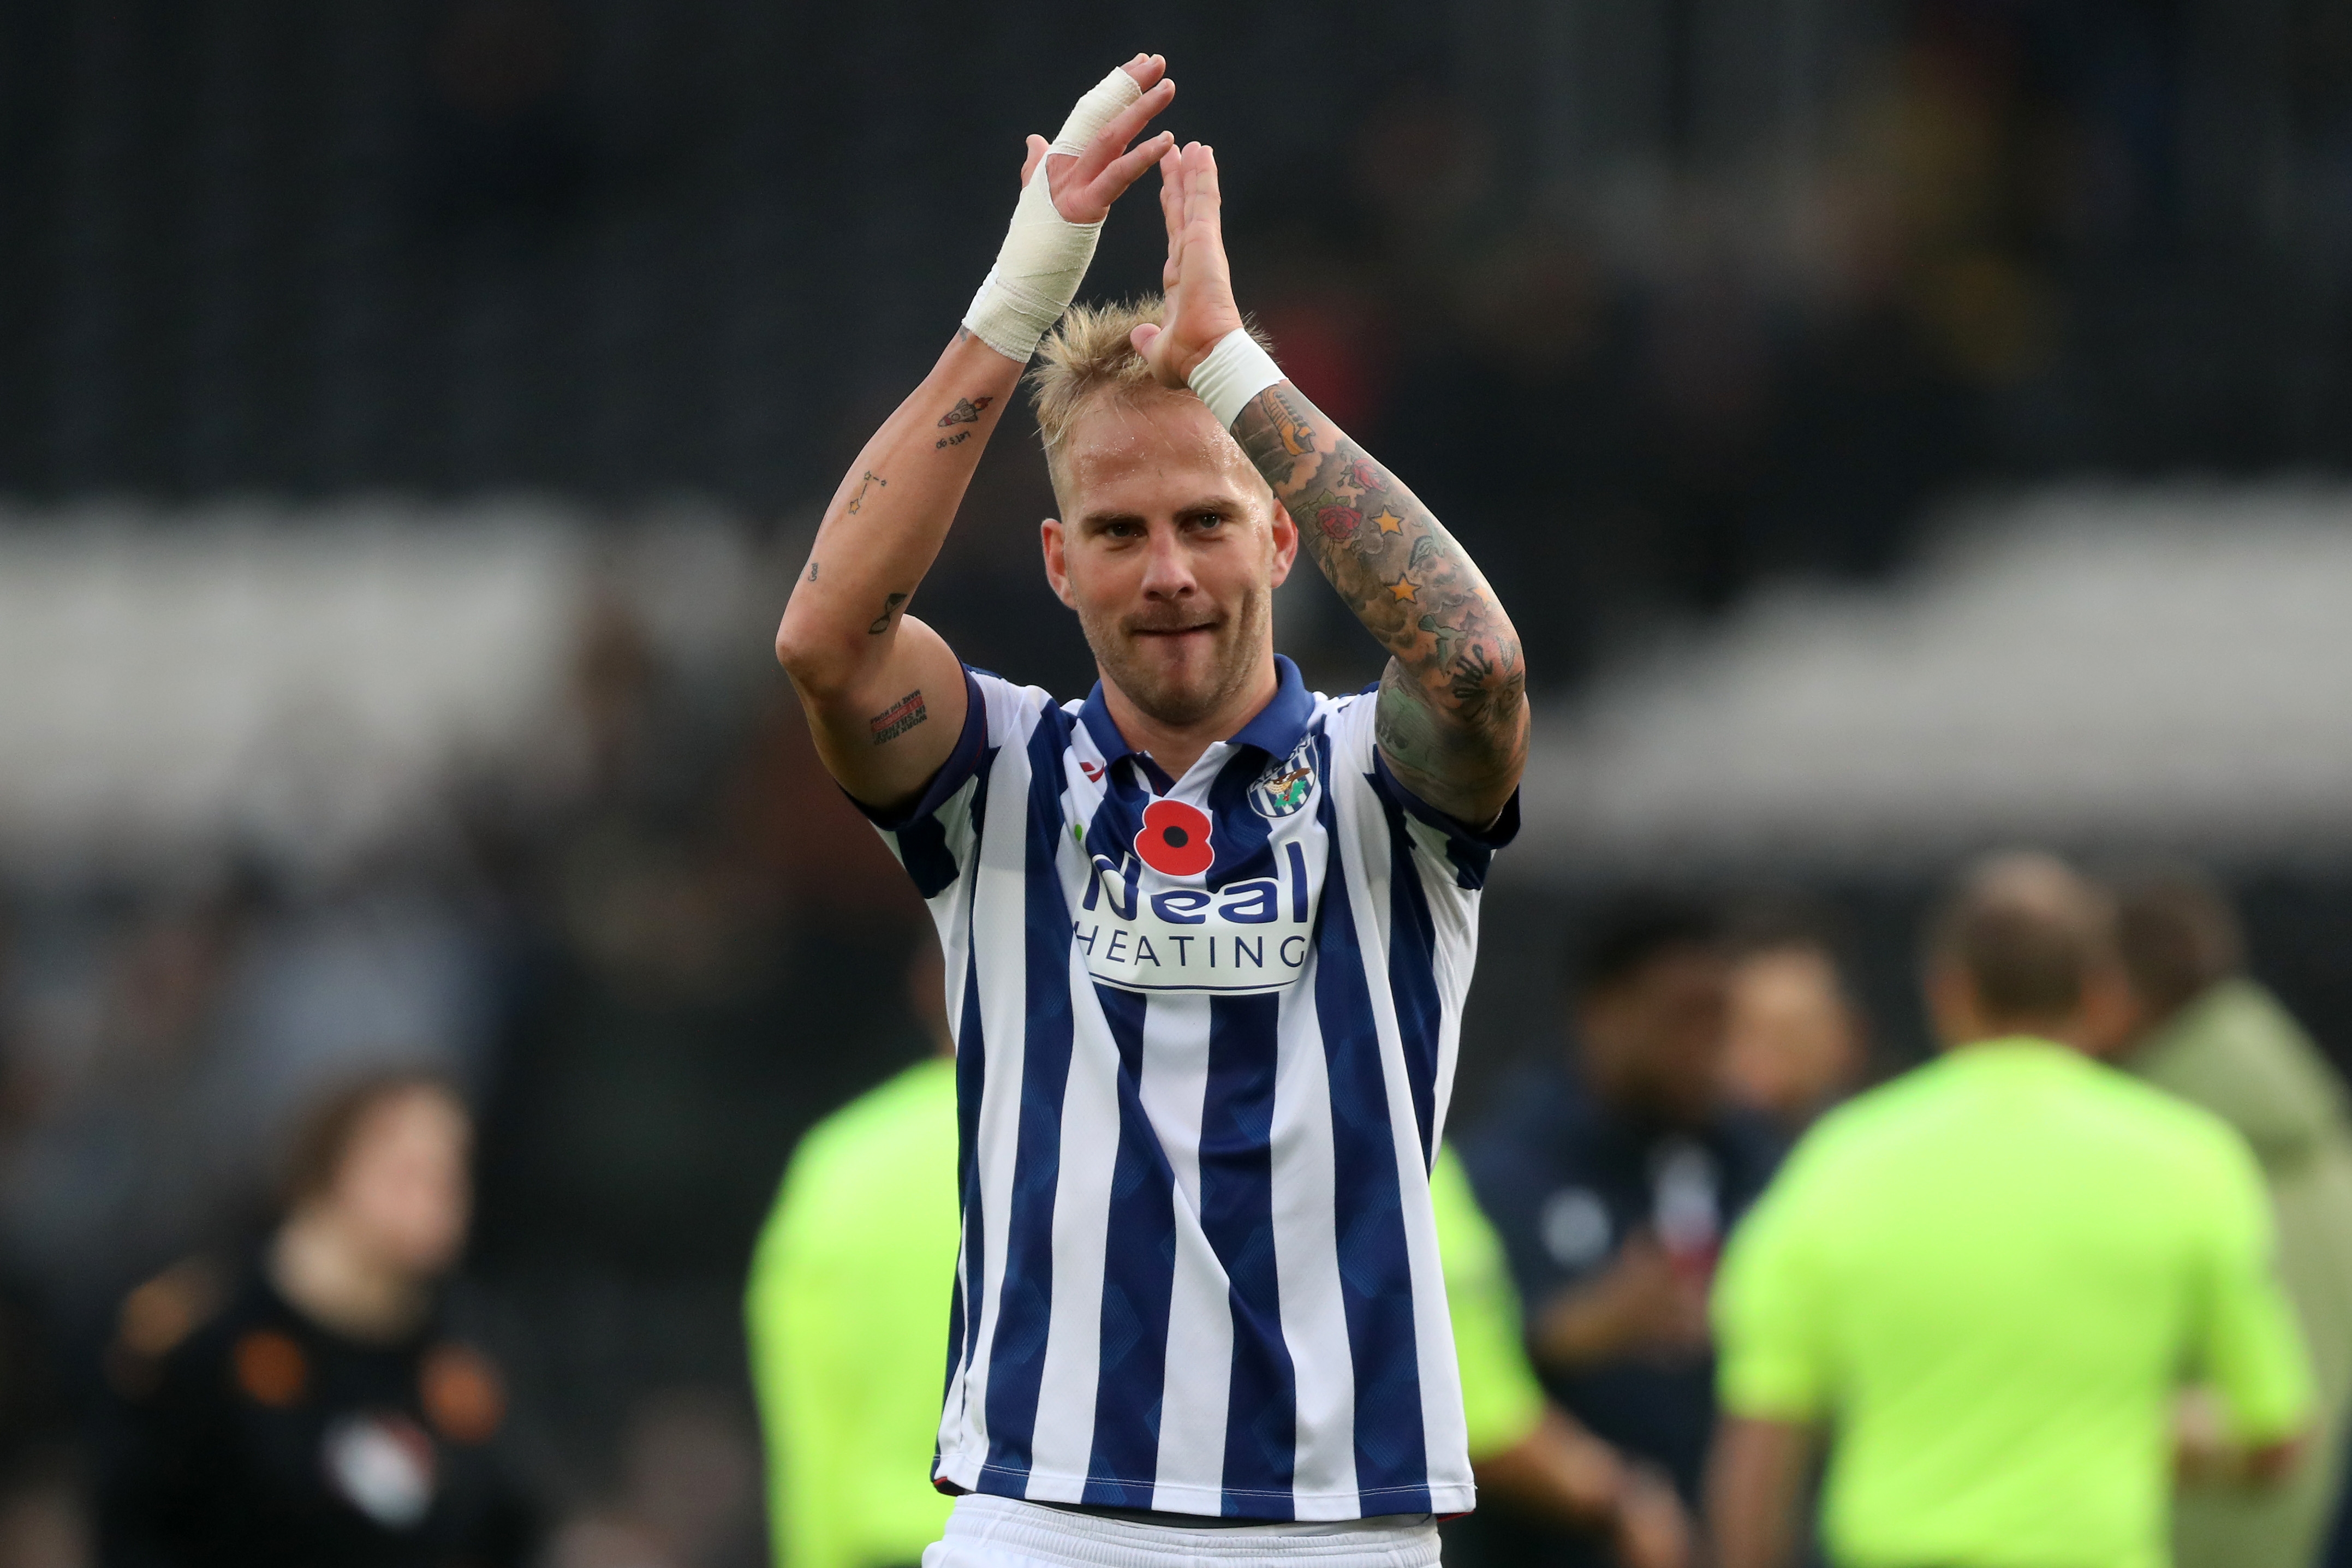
1205	1032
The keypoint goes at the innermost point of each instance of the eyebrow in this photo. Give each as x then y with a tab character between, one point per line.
1224	506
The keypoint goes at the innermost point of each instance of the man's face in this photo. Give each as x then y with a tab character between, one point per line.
1653	1041
1793	1040
1171	553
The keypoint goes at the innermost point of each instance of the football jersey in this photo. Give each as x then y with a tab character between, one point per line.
1205	1032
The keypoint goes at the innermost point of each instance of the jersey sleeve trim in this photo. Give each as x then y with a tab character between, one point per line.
1471	849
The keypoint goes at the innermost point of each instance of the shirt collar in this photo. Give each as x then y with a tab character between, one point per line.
1275	729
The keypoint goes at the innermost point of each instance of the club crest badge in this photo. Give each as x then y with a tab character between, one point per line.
1285	788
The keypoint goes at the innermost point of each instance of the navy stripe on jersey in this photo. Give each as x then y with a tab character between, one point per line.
1137	1275
1017	1359
1237	1215
1206	1027
1375	1277
1412	979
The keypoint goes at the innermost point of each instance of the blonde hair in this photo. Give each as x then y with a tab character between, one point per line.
1089	358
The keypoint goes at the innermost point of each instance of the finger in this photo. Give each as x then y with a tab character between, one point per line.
1037	146
1124	127
1146	69
1171	208
1128	167
1206	187
1142	337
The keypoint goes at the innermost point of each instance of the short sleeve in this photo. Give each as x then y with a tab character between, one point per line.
1768	1308
1462	851
1502	1402
2250	1346
935	836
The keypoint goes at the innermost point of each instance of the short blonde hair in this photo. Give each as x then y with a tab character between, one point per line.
1089	358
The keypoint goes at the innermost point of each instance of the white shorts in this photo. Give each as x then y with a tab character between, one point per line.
1001	1533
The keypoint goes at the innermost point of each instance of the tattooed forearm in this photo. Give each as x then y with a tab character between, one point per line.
1453	713
890	609
897	718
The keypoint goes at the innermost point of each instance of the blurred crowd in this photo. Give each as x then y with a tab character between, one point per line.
644	967
253	1117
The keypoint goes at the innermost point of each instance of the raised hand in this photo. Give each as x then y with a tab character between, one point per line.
1084	184
1197	280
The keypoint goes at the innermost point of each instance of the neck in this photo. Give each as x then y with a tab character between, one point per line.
1176	747
2049	1032
319	1267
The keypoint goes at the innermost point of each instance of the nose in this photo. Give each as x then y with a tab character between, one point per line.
1167	569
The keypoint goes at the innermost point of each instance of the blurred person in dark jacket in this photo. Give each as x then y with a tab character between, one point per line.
2199	1027
318	1408
1611	1175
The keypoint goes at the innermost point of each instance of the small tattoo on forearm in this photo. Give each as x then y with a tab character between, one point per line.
890	608
870	478
966	411
958	438
898	718
811	576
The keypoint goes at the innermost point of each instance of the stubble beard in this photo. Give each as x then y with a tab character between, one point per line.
1171	698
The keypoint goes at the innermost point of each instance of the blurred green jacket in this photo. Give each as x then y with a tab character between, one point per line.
847	1318
2236	1052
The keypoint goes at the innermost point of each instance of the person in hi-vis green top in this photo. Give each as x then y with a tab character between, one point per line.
847	1311
1987	1281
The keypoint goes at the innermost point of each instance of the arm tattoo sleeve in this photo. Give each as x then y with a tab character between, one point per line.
1453	712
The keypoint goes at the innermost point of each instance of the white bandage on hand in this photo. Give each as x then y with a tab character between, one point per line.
1231	373
1044	255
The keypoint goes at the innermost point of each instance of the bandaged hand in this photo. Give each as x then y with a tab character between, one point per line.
1069	186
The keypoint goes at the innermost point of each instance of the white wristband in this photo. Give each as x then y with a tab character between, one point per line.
1044	255
1231	373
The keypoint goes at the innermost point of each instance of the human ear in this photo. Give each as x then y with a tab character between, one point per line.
1285	543
1051	540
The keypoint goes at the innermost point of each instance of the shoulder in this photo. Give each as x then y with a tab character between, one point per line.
1875	1125
1007	709
203	1314
1537	1114
913	1095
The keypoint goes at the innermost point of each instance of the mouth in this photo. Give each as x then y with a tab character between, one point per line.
1173	635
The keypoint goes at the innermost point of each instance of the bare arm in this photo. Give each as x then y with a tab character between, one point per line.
1752	1485
883	691
1565	1473
1452	718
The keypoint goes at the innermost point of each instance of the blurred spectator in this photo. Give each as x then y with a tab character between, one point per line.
1987	1278
690	1486
1610	1176
848	1306
1529	1453
1797	1042
316	1407
2199	1027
